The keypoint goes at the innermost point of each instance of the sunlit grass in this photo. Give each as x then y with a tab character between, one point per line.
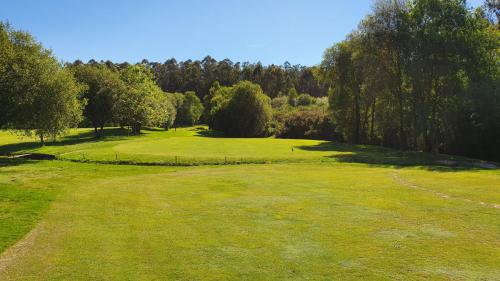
309	216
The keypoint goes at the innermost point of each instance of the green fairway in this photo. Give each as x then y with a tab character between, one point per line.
183	145
311	216
197	145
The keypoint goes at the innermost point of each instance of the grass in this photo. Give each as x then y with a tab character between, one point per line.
198	145
22	201
310	216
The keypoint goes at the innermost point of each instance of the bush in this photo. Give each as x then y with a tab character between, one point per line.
241	111
309	124
305	100
189	110
279	102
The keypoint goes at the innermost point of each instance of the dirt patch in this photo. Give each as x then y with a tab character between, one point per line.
16	251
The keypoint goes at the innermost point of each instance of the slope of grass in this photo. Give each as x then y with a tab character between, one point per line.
255	222
24	197
323	211
197	145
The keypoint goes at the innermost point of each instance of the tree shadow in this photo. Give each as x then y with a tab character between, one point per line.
110	134
386	157
204	132
12	162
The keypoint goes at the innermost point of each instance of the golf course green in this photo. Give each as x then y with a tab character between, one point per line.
187	204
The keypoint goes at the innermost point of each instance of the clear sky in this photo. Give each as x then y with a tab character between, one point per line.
270	31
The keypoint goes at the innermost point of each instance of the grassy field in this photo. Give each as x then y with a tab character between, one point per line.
188	144
197	145
323	211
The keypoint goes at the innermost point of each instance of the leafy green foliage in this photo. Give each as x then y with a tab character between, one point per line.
409	77
292	96
143	103
279	102
308	123
37	96
305	100
242	110
104	86
200	76
190	109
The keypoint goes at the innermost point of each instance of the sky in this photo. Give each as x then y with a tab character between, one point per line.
269	31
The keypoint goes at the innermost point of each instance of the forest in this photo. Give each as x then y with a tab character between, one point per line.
417	75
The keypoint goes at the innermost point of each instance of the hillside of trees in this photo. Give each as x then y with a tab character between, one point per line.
415	75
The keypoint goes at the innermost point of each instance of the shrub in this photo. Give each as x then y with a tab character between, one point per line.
305	100
279	102
241	111
310	124
189	110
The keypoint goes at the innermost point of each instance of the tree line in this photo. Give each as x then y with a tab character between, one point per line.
418	75
40	96
199	76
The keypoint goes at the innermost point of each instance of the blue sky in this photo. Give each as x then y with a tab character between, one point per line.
272	31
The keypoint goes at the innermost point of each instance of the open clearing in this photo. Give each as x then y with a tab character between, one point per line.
320	212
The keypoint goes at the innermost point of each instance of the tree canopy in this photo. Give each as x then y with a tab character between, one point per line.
419	75
37	95
241	110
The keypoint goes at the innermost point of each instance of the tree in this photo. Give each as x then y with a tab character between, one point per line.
37	96
244	109
190	109
421	75
143	103
292	96
56	108
104	86
311	123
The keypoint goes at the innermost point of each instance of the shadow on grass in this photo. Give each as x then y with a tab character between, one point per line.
110	134
380	156
204	132
9	162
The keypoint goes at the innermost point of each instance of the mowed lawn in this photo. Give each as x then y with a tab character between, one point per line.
184	145
309	220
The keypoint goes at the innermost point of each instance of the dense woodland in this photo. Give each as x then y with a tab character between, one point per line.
415	75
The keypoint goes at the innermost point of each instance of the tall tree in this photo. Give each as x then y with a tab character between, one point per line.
37	96
104	86
143	103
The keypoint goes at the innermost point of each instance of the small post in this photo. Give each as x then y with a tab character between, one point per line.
83	155
225	159
116	156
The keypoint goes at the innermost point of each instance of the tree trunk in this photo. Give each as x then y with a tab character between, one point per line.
136	128
402	137
357	117
415	129
372	140
42	141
